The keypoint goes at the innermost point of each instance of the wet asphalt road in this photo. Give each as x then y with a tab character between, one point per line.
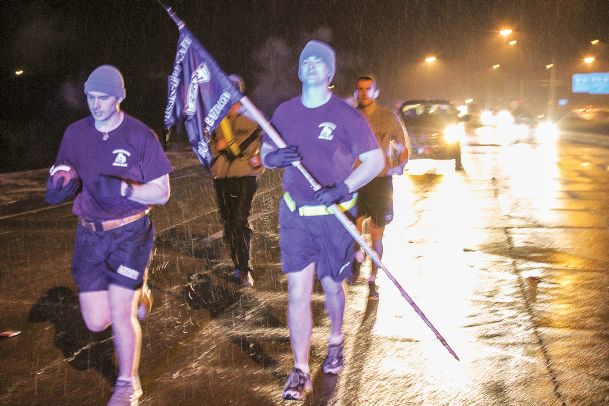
508	258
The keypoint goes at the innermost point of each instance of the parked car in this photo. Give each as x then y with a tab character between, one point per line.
434	128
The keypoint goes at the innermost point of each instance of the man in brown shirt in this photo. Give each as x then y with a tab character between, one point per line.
375	200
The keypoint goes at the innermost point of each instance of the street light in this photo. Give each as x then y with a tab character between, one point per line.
595	41
512	42
19	72
589	59
431	59
496	66
505	32
552	83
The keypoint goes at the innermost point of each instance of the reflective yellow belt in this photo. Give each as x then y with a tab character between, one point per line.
319	210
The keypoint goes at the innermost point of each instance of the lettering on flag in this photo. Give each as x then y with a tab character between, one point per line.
174	80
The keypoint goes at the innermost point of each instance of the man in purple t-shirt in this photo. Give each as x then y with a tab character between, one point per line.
116	168
327	136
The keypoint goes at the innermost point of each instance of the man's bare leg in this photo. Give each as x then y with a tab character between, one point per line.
376	234
335	307
360	255
126	328
300	319
95	310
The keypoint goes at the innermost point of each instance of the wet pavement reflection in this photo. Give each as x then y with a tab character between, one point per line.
508	258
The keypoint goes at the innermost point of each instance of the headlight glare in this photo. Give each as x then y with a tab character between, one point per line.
453	133
547	130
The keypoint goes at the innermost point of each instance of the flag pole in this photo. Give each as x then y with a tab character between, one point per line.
177	20
349	226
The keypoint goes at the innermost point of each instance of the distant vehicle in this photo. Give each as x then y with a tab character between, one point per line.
434	128
503	127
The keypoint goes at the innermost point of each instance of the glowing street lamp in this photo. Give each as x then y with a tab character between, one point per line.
512	42
549	66
505	32
19	72
589	59
595	41
496	66
431	59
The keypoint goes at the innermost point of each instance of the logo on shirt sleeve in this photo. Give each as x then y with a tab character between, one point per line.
327	131
120	158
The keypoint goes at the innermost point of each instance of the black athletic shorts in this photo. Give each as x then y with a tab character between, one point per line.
319	239
120	256
376	200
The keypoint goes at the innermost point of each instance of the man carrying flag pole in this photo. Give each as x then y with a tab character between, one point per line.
329	136
210	94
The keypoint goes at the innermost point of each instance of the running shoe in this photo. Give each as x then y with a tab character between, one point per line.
247	280
126	393
333	363
297	386
145	304
244	278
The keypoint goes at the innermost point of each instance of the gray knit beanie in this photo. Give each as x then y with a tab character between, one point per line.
106	79
321	50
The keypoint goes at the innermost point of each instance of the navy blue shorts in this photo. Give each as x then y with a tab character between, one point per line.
320	239
120	256
376	200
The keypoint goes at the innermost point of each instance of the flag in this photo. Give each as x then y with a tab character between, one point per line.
199	93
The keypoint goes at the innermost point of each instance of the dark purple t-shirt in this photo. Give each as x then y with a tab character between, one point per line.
132	152
329	139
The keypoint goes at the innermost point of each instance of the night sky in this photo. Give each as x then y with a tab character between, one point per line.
57	43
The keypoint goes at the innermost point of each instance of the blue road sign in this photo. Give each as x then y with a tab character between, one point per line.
591	83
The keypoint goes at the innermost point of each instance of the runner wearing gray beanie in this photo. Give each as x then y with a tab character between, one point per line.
106	79
321	50
123	171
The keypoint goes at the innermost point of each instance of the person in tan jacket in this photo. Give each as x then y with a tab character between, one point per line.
235	147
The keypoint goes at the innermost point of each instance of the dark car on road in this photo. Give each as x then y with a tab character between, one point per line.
434	128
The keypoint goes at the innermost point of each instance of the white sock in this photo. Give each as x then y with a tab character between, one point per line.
303	368
336	340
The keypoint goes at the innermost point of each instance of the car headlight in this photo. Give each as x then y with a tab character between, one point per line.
547	130
486	117
504	119
453	133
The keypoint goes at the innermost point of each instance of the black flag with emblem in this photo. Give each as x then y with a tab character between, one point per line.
200	93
